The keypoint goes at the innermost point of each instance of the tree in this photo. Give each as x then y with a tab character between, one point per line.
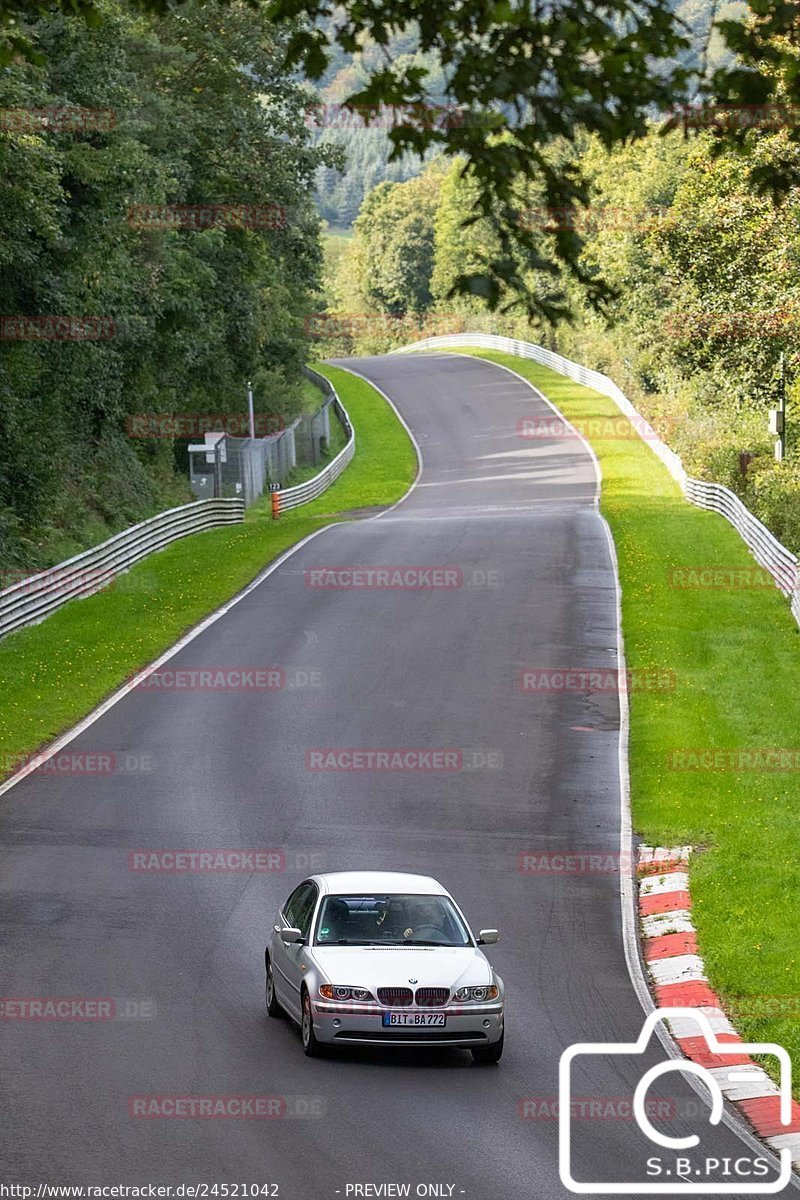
729	259
196	310
519	77
394	243
525	76
459	251
522	76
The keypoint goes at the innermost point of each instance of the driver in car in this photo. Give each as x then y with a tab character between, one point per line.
424	921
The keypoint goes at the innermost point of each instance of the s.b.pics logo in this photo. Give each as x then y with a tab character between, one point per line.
673	1161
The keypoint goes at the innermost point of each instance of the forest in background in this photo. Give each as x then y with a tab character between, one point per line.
707	279
705	270
341	190
365	148
155	110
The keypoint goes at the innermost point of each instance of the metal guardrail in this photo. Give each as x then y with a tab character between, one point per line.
30	600
303	492
763	545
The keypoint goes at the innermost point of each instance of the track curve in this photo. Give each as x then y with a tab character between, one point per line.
429	667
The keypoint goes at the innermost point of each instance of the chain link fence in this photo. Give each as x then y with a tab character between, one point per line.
234	467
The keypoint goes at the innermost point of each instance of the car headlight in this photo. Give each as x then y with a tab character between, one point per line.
339	992
488	992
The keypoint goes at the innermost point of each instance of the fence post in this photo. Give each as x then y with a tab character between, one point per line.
217	470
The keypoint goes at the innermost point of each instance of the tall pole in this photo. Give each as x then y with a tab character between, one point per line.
250	409
218	468
783	407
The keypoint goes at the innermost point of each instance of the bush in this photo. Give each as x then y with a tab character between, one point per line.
776	499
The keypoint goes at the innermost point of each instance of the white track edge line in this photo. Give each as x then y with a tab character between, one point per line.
627	881
42	756
598	470
402	420
633	962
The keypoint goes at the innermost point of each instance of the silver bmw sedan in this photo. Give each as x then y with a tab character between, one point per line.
380	958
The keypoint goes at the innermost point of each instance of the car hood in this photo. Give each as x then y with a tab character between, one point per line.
396	966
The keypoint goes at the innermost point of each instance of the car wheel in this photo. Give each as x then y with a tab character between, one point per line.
311	1047
489	1054
273	1007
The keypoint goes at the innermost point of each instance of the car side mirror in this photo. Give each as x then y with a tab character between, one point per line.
291	935
488	937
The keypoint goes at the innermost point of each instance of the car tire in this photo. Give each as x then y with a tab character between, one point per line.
489	1054
273	1007
311	1047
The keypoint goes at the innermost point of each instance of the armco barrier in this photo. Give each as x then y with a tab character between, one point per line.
30	600
764	546
303	492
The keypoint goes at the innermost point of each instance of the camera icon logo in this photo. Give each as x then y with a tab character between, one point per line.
733	1074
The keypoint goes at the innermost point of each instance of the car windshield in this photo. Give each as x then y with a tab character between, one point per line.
393	920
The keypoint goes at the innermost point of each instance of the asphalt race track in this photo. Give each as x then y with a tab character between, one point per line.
516	522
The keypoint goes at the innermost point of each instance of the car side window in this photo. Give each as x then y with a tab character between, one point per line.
305	910
294	906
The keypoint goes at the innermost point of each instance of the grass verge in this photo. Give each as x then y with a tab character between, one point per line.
735	654
53	674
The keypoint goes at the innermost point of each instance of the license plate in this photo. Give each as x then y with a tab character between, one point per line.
406	1018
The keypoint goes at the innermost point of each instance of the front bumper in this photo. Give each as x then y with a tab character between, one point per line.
355	1024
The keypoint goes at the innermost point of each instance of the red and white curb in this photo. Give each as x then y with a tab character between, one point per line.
679	980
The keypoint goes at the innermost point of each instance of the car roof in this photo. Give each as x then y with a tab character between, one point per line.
353	882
